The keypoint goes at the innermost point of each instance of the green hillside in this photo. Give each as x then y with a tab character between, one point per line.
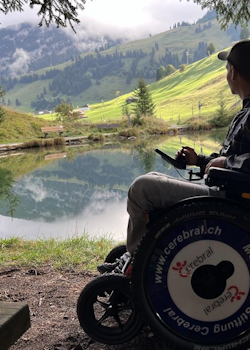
174	42
178	95
20	127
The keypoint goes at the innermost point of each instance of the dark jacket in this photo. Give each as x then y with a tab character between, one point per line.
236	147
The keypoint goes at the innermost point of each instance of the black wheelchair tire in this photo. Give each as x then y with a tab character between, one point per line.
191	209
123	329
115	253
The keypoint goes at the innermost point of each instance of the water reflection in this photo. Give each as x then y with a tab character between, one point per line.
87	189
7	194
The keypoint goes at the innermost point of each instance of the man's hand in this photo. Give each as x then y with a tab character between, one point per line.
216	162
190	155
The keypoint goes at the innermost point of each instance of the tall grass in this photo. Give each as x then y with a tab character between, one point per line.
57	141
85	252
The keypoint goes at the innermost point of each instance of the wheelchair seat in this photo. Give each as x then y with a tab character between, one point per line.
235	184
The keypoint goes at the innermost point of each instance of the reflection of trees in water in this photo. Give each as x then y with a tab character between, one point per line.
146	157
216	136
96	173
8	198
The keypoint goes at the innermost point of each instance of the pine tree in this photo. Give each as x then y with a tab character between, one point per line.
2	114
18	103
144	105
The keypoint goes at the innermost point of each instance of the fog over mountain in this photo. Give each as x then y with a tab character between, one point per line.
25	47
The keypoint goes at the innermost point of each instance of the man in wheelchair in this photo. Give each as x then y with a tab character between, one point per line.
189	279
156	191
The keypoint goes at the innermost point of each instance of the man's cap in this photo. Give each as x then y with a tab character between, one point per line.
238	56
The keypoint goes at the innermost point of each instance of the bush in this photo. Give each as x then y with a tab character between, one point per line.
156	130
195	124
129	132
97	137
183	67
137	121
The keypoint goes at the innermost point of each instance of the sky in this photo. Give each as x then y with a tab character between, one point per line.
135	18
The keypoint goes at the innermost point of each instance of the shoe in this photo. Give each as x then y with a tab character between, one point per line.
116	266
111	267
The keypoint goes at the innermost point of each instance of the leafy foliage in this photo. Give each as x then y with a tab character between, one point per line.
211	49
61	12
183	67
62	111
236	11
170	69
160	73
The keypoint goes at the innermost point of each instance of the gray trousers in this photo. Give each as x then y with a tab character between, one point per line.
157	191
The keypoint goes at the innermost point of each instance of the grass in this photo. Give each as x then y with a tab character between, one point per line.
57	141
21	127
85	252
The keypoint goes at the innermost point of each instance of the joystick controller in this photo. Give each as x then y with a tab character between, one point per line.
178	162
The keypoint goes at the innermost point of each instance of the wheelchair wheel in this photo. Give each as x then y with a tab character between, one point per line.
116	253
106	310
190	275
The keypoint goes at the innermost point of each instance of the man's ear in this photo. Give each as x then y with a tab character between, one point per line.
234	73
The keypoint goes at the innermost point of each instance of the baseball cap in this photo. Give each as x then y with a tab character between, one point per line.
238	56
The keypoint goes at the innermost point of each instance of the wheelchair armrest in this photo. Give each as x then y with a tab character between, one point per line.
221	176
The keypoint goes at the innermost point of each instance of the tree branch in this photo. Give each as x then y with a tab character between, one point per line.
235	11
52	11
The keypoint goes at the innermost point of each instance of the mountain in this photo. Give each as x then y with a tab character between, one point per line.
96	76
26	47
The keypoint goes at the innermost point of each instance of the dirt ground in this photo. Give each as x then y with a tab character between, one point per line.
52	298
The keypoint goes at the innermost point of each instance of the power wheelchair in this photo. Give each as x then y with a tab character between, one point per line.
189	279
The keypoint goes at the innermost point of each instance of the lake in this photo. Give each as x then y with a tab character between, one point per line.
64	192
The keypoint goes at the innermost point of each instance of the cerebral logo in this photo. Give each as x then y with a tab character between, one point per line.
237	295
179	268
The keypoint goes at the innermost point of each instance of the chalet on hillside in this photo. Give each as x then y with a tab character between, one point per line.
80	111
45	112
131	99
84	108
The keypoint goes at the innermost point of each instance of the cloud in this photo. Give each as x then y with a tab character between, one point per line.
166	13
129	19
21	63
13	18
100	200
140	17
32	187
